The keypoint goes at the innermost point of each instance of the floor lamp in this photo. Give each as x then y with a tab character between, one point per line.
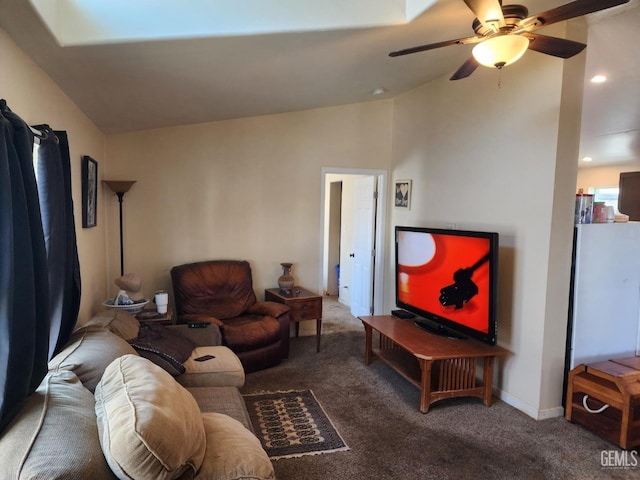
120	187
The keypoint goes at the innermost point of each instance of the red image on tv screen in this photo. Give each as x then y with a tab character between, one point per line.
447	275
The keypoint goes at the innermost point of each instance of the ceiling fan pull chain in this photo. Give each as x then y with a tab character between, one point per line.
499	78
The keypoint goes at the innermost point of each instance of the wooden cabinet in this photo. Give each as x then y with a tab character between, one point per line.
604	397
304	305
305	310
440	367
629	197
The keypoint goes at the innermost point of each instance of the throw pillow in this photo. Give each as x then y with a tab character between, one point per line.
55	434
150	427
88	353
233	452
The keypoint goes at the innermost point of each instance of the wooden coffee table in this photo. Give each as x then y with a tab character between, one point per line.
304	305
440	367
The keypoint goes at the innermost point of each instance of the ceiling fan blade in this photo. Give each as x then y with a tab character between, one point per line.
558	47
466	69
432	46
487	11
568	11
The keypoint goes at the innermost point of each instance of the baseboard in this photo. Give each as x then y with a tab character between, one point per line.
528	409
551	413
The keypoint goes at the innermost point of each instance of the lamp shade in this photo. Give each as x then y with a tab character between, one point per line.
500	50
119	186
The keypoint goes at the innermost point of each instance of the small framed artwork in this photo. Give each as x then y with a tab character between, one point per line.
403	194
89	192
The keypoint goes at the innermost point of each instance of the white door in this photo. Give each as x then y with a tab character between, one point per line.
362	254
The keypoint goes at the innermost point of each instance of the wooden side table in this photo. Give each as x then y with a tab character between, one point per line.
304	305
151	315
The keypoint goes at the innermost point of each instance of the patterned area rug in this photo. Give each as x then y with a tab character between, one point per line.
292	424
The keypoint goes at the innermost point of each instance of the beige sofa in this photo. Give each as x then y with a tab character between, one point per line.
104	412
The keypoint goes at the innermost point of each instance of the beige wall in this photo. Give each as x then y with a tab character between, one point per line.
480	157
608	176
490	158
245	189
37	99
331	249
347	234
561	235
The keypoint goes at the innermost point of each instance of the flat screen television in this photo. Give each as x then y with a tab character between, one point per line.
449	279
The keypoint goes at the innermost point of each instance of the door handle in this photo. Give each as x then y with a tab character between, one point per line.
352	255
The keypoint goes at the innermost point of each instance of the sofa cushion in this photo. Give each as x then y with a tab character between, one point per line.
150	427
200	337
227	400
250	332
118	322
233	452
54	435
223	370
88	353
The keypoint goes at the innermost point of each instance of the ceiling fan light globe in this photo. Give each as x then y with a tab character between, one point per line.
501	50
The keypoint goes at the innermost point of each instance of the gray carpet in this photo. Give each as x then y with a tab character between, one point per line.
376	412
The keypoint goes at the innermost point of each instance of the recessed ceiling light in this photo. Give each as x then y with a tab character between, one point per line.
587	159
378	91
598	79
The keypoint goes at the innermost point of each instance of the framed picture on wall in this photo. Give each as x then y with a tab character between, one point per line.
89	192
402	197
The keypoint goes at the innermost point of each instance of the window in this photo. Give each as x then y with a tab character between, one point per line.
608	195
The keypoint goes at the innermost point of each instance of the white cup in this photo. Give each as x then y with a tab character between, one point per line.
162	301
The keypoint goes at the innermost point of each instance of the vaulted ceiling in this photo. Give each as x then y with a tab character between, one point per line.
131	83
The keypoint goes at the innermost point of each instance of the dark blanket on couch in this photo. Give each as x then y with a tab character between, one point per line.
163	347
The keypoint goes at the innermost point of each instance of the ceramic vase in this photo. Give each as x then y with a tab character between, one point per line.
285	281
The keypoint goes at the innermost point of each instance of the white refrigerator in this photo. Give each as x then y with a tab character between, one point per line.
604	312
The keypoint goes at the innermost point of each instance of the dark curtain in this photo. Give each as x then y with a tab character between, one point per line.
24	286
39	271
53	175
71	273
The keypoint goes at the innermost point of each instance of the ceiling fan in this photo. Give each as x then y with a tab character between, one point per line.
504	33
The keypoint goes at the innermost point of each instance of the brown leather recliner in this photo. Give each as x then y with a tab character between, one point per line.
221	292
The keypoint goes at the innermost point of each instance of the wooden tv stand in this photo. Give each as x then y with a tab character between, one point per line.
440	367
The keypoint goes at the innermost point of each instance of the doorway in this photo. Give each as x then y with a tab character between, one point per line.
353	224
